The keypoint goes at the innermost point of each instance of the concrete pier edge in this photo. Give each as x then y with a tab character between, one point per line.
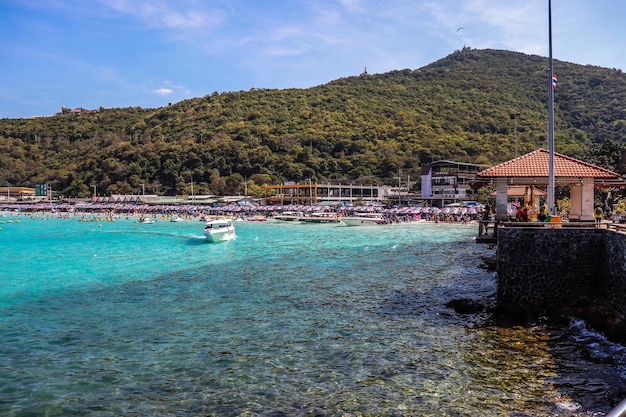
562	273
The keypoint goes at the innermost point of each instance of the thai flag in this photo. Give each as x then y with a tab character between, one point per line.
554	81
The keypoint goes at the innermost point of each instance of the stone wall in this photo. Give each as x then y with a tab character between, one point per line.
614	283
560	273
539	268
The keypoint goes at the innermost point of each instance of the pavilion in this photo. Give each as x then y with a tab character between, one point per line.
532	169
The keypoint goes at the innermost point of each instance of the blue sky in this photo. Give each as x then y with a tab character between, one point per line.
148	53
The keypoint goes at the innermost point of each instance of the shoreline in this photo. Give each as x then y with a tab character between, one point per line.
187	212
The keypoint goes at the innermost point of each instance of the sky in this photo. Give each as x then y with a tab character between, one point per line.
149	53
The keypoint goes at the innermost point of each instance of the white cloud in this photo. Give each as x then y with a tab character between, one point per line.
164	91
172	15
352	5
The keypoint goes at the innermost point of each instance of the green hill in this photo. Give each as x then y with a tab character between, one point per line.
361	129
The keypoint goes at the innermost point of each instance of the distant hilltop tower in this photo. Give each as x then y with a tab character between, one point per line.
364	73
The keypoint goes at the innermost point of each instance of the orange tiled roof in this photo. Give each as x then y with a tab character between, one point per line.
535	164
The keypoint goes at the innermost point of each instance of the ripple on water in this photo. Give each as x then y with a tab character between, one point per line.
284	320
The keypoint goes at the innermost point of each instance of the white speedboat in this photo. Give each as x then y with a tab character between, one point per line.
320	217
145	220
364	219
219	230
288	216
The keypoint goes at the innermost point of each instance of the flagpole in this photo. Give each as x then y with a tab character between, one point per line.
551	207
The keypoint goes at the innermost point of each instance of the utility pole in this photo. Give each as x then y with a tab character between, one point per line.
551	87
408	187
399	185
310	192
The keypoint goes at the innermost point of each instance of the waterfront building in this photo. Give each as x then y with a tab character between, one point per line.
310	193
445	182
16	193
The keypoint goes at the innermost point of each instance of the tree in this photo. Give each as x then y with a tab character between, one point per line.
77	189
235	184
457	108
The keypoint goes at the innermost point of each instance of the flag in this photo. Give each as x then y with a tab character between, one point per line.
554	81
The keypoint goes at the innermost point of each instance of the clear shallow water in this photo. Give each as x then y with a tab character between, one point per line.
127	319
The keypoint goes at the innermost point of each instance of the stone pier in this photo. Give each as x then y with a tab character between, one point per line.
543	270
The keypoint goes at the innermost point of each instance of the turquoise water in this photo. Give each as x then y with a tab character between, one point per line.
126	319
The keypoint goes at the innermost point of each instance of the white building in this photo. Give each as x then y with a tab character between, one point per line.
313	193
445	182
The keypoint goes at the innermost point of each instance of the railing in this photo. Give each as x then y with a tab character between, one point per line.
618	227
569	225
486	225
490	227
619	411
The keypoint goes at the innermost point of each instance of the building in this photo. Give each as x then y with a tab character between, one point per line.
445	182
311	193
16	193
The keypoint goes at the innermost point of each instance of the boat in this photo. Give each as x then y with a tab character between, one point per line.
364	219
145	220
257	218
219	230
319	217
288	216
176	219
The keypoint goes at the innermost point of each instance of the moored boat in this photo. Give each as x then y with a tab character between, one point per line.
320	217
364	219
288	216
257	218
219	230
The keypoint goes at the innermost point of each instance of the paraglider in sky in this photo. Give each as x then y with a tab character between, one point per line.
460	32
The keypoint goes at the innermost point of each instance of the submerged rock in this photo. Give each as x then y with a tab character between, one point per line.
466	306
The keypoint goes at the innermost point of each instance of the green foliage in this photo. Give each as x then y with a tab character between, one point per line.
610	155
483	195
358	129
564	205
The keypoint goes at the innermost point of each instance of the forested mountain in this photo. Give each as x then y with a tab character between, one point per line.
362	129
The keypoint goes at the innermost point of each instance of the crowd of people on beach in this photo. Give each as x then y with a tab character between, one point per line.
93	211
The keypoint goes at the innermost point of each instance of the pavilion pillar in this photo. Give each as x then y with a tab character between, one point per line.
581	201
576	202
587	200
501	200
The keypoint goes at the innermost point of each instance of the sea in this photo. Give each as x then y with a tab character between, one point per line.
118	318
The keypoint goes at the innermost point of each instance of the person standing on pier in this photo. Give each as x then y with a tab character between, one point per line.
597	214
484	221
